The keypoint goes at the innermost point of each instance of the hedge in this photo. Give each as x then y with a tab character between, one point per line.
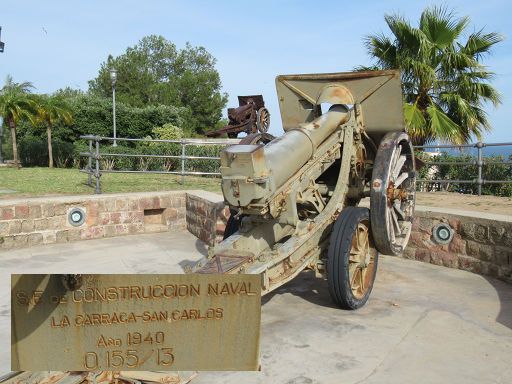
467	172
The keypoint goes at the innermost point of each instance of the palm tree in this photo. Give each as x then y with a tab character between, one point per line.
15	104
50	110
444	83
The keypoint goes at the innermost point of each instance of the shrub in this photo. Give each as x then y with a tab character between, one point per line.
118	163
167	132
203	165
34	152
63	153
93	115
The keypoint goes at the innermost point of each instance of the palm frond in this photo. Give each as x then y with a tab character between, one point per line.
441	26
10	85
479	43
414	119
453	60
487	92
467	85
383	49
442	126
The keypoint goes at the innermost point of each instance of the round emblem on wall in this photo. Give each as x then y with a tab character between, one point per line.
442	233
76	217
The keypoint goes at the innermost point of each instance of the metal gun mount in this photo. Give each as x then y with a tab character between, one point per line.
294	199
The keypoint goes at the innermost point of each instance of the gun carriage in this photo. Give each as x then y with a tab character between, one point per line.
294	199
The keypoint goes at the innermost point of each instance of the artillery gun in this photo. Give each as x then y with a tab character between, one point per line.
250	117
294	200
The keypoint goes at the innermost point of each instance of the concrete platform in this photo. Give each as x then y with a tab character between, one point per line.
423	323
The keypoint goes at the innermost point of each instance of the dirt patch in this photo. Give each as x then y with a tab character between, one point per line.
491	204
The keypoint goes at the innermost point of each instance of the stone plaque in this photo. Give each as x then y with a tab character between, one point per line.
135	322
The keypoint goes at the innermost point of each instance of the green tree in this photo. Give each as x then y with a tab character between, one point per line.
51	110
444	82
16	103
68	92
155	72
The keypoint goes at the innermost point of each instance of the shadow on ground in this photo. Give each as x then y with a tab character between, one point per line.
505	296
307	287
200	247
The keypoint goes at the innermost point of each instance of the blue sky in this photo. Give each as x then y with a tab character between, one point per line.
55	44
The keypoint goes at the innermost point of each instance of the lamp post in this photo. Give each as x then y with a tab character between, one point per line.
113	77
1	137
2	45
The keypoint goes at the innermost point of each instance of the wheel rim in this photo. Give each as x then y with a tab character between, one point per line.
393	194
263	120
361	261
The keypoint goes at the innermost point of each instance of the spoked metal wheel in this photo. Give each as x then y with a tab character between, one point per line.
352	259
263	120
393	193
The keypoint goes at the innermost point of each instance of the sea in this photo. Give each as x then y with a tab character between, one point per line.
505	151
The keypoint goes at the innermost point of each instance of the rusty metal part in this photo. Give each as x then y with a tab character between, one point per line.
250	117
394	194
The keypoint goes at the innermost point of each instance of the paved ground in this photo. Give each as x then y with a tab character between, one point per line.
423	324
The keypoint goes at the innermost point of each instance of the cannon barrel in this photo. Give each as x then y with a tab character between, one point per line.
285	155
252	172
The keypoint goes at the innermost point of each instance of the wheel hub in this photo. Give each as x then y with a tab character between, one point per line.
393	198
393	193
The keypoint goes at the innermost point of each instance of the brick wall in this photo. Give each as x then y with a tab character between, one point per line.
31	221
206	216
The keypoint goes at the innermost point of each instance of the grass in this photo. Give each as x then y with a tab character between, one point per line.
61	181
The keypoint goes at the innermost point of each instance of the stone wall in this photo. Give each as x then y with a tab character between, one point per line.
206	216
31	221
482	243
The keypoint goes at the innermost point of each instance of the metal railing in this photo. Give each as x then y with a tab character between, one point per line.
93	167
479	161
